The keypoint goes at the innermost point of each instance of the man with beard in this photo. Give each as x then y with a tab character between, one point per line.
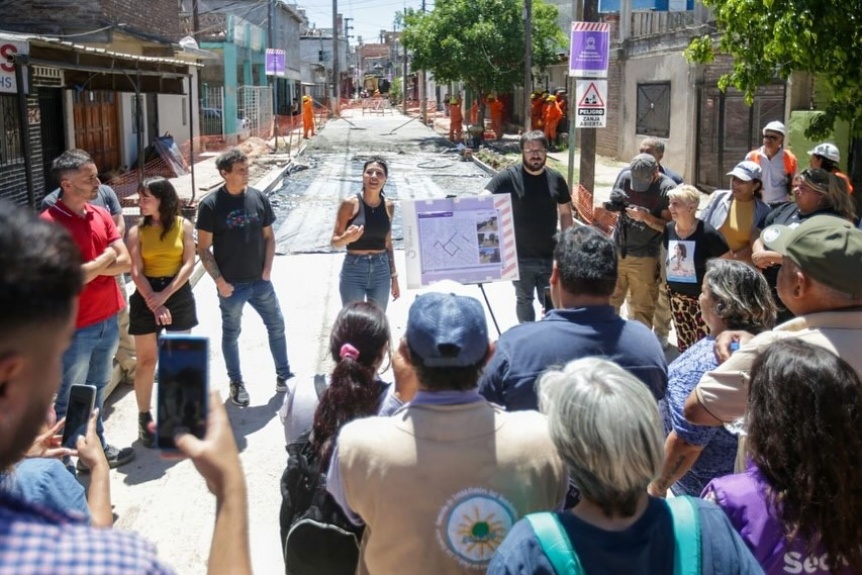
540	198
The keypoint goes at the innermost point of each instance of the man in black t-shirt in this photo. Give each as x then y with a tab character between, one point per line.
540	199
638	236
236	222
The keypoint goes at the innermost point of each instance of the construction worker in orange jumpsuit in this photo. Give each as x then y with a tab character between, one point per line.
456	119
536	109
496	109
307	116
551	118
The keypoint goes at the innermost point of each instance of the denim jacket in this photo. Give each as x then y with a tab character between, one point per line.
718	209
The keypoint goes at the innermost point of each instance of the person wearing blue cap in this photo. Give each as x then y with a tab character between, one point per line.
441	482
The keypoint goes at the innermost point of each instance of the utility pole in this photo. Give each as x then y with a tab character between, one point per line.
274	77
336	85
587	176
423	89
347	37
528	62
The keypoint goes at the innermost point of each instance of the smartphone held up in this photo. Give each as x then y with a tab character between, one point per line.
182	404
82	399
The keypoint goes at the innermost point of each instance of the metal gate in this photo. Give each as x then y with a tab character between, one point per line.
254	105
212	111
728	128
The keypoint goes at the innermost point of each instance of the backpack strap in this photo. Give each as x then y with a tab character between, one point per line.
555	543
319	384
686	531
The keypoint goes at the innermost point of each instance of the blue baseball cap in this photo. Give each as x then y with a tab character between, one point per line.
447	330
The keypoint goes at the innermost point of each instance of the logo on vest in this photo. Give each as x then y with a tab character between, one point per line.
472	524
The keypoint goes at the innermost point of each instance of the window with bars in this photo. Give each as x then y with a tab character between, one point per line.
11	151
653	111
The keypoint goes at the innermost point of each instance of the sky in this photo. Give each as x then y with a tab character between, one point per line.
369	16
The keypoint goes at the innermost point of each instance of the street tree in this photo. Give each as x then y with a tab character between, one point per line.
481	42
778	37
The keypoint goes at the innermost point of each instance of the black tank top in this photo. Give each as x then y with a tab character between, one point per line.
377	225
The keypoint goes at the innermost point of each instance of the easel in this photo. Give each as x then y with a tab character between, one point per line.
488	305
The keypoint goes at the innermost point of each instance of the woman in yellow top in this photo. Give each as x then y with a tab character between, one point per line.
738	213
163	256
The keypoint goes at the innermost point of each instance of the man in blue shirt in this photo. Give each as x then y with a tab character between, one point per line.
584	324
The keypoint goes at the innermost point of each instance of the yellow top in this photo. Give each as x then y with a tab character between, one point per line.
162	257
738	225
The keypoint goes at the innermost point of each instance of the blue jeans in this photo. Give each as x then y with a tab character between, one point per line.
261	296
535	276
89	360
365	277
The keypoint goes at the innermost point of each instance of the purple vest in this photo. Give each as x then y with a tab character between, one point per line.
743	498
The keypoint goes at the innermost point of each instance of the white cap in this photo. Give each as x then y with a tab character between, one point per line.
775	126
827	150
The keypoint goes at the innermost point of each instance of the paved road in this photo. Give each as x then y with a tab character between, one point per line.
167	501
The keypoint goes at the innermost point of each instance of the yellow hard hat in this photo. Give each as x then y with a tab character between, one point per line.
306	98
490	96
551	99
453	100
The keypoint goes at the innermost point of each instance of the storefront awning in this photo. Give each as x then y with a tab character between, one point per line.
90	68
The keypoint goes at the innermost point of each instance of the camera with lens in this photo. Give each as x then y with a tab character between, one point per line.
618	203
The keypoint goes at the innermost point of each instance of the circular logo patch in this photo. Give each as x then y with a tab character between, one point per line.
472	525
770	234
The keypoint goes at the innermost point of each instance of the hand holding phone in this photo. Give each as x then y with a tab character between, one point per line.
82	399
182	405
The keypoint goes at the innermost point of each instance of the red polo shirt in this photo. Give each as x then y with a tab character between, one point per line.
93	233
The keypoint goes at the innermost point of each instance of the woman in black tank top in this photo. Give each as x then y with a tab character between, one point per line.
364	227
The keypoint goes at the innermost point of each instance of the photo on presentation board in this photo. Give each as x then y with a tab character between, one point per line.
467	240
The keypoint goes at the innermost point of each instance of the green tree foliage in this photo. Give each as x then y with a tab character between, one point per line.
481	42
769	38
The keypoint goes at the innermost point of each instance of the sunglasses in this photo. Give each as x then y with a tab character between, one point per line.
771	137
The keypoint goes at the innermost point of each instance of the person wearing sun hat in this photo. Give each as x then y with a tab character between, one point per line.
827	156
820	282
738	212
441	482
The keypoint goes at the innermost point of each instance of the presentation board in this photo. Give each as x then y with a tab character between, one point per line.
467	240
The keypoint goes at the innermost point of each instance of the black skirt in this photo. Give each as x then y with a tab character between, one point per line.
181	304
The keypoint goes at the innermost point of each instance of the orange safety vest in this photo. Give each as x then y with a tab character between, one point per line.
790	164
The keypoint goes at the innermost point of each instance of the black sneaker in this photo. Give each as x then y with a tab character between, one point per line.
238	394
281	382
147	437
115	456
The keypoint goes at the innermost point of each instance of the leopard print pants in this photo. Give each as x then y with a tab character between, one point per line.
687	320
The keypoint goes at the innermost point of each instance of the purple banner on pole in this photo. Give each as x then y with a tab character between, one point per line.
275	62
590	44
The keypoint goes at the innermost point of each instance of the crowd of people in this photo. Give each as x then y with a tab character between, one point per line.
567	445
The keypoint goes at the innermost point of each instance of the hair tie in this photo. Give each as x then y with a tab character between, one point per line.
348	350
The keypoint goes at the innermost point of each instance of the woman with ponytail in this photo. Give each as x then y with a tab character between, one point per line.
358	345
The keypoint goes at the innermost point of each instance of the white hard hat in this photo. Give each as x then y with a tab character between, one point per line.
775	126
827	150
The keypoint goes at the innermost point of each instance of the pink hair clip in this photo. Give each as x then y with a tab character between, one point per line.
348	350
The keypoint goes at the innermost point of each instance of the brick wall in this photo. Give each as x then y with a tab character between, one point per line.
607	138
160	18
13	181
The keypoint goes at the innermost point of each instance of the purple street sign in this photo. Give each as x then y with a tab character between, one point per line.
275	62
590	50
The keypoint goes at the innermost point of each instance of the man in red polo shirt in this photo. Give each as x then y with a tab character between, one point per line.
88	360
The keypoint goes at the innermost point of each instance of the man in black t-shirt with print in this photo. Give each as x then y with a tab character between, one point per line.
236	222
540	199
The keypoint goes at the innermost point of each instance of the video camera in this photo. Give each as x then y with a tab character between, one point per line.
618	203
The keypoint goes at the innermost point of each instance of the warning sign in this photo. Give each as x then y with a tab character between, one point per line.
590	96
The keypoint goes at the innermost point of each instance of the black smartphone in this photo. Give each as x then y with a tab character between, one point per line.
182	403
82	399
548	303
